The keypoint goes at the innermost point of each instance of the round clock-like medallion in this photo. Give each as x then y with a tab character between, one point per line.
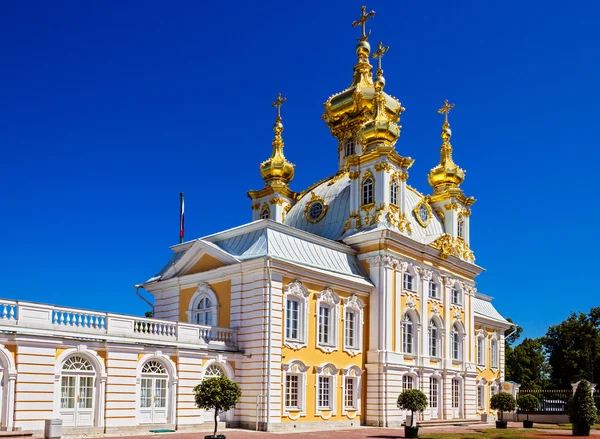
315	210
423	213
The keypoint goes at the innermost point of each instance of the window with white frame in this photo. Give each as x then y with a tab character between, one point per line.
493	389
481	350
326	387
407	382
203	308
456	342
367	191
434	339
394	192
327	320
460	227
353	322
351	389
494	353
294	392
456	296
409	282
295	315
350	147
481	396
456	384
408	334
433	289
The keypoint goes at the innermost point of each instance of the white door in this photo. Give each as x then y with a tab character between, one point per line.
153	401
77	400
434	398
456	399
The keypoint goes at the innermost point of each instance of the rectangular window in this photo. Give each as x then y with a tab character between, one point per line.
349	393
407	382
324	392
350	338
407	337
432	289
324	325
433	393
146	393
455	296
494	353
455	394
455	346
67	397
291	391
408	282
481	397
481	351
291	319
433	341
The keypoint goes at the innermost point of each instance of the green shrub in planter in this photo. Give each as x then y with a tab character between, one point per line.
503	402
415	401
582	410
528	403
219	394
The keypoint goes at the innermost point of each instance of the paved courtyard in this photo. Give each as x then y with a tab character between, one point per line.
468	432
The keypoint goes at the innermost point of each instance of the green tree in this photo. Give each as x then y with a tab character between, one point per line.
528	403
527	365
219	394
413	400
149	314
582	410
573	348
511	335
504	402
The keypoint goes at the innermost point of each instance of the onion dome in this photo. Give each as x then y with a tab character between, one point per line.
277	170
447	174
354	106
381	129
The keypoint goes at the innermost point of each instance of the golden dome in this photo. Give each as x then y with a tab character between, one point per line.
447	174
348	110
277	170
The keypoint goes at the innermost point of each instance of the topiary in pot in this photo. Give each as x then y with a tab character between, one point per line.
527	403
219	394
503	402
582	410
415	401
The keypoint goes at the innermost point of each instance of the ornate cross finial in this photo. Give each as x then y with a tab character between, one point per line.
445	110
278	102
381	49
362	21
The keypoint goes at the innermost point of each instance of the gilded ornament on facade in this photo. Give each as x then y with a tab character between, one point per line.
384	166
315	209
451	206
256	206
354	175
277	200
450	246
423	213
441	213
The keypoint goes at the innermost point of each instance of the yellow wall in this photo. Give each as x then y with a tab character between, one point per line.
311	356
487	373
223	292
205	263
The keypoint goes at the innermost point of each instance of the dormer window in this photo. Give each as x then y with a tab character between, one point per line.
350	147
367	191
460	227
394	192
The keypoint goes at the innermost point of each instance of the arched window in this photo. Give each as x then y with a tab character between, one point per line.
460	226
203	306
213	371
394	192
434	339
350	147
77	392
153	393
264	213
367	191
408	335
494	353
456	342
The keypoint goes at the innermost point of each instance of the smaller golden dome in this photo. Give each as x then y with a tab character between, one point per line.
277	169
447	174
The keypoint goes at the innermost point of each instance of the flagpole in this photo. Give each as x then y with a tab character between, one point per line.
181	217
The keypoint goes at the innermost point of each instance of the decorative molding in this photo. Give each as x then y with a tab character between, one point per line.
301	294
450	246
313	200
410	303
416	212
425	274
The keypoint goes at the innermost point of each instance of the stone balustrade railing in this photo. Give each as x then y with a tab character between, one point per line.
35	318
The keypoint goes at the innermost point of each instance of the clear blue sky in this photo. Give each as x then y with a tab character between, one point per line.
109	109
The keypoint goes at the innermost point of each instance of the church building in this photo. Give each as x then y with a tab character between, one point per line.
323	308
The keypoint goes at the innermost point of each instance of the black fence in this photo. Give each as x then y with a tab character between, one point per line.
549	401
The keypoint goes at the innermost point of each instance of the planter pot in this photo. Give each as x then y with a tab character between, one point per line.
411	432
219	436
527	424
501	424
580	430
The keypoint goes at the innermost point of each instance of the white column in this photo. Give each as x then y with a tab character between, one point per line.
398	323
10	400
426	276
445	294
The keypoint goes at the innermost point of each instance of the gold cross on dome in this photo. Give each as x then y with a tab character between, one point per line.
381	49
362	21
445	110
278	103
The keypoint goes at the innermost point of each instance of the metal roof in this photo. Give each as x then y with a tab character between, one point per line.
482	306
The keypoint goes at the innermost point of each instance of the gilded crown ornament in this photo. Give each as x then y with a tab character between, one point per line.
446	175
277	170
